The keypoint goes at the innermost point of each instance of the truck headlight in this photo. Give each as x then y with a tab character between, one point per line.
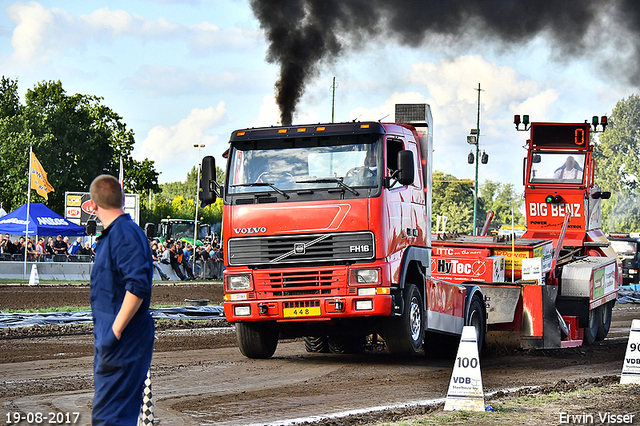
242	311
364	276
364	305
239	282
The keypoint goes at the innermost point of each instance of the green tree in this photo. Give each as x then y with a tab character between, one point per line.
617	158
187	189
453	198
75	138
177	200
499	198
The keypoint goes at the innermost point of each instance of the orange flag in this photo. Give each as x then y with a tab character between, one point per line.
39	180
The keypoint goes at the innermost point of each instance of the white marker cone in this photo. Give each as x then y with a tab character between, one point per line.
146	417
631	366
33	278
465	389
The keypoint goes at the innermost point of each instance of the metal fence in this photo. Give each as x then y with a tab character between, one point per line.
6	257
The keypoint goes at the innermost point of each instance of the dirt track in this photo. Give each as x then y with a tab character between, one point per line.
199	376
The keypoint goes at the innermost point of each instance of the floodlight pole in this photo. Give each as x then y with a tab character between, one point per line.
333	99
475	198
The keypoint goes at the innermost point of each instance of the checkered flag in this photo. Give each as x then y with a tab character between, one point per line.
146	410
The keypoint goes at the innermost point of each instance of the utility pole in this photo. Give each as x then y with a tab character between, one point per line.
475	199
333	99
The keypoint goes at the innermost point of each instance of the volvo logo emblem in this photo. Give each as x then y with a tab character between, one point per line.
260	230
299	248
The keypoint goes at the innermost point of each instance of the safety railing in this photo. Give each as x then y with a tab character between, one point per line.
80	258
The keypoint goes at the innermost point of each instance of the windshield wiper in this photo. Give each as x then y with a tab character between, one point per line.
331	180
273	186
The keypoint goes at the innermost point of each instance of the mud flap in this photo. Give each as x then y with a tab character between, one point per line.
540	327
502	303
523	316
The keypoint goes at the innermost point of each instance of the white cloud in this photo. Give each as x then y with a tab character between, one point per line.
32	38
41	33
449	88
386	111
172	146
269	114
451	84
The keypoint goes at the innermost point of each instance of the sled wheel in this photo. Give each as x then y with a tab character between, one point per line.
591	330
316	344
605	320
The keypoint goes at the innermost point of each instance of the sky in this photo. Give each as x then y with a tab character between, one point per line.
189	72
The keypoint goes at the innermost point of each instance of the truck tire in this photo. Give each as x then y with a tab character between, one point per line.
477	318
316	344
591	330
341	344
605	320
444	346
257	339
404	335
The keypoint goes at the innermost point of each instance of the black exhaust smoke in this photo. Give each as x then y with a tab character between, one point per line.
304	33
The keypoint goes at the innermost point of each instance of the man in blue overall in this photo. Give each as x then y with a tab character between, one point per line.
120	293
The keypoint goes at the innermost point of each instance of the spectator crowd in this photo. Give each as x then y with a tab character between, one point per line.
45	250
208	258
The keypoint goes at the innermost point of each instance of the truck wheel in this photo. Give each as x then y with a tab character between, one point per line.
257	339
346	344
477	318
605	320
403	335
591	330
316	344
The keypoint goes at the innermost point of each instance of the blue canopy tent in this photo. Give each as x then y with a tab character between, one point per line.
42	221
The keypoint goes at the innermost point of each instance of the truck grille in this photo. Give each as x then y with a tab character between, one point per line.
299	282
271	250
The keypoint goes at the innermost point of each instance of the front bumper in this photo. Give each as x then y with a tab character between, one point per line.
309	308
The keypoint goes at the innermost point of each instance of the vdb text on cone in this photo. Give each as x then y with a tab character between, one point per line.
465	388
631	366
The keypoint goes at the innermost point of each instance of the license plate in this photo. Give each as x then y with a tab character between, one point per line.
301	312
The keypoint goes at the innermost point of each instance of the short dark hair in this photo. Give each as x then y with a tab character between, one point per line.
106	192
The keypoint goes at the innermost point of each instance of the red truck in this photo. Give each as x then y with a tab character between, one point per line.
563	248
327	236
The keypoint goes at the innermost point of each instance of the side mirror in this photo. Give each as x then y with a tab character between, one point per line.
207	193
91	227
605	195
406	168
150	230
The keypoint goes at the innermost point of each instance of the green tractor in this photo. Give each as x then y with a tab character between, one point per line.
182	229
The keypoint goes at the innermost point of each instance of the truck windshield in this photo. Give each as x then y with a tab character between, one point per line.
557	168
185	230
623	247
301	164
